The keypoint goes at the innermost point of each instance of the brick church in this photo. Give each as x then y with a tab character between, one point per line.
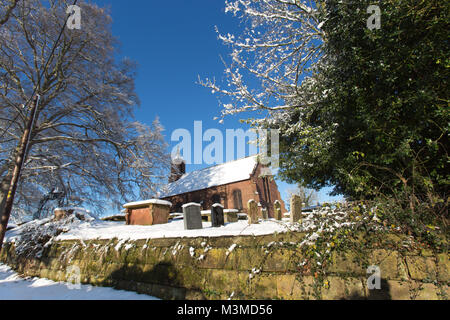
231	184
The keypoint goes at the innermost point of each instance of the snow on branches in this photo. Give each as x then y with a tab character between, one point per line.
276	52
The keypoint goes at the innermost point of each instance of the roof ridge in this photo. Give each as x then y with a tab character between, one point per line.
220	164
220	174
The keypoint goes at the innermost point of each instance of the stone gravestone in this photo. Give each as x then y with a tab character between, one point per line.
252	212
296	209
217	218
277	209
192	216
231	215
264	214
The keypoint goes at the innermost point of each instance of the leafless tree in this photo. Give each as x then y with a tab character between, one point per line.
273	57
6	7
86	140
309	197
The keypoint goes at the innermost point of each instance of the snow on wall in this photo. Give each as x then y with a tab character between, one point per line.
146	202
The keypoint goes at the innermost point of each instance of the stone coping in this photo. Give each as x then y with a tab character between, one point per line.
145	203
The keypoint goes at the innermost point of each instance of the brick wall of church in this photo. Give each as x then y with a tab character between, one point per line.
268	191
206	197
247	191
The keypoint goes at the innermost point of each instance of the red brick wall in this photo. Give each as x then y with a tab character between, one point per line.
268	191
198	196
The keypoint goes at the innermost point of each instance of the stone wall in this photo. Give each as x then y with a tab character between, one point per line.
264	267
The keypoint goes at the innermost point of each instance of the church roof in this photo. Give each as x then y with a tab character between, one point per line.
229	172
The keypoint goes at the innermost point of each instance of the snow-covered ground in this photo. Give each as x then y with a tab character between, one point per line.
173	229
89	230
13	287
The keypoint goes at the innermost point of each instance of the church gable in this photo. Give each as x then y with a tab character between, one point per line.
226	173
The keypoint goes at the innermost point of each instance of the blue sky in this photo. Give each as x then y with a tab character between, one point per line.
174	42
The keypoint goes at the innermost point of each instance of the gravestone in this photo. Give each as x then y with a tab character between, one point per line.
264	214
231	215
259	210
147	212
252	212
192	216
296	209
217	218
277	207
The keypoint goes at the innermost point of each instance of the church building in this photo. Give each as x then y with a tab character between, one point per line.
231	184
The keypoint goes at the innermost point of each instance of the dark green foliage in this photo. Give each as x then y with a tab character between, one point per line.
381	122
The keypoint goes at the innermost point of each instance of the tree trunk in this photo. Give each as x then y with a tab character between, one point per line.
20	159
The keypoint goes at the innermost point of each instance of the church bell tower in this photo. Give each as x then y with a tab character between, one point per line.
177	168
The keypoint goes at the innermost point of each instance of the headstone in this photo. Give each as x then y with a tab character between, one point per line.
277	209
192	216
147	212
296	209
252	212
264	214
231	215
217	218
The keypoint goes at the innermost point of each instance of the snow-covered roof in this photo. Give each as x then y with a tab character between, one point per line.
229	172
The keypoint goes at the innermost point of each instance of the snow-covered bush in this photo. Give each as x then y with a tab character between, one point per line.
32	238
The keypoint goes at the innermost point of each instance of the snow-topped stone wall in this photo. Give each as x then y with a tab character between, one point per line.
237	267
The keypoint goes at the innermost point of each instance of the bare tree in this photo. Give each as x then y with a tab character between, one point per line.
276	53
309	197
6	7
85	140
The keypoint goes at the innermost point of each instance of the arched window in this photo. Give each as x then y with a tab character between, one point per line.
237	197
215	198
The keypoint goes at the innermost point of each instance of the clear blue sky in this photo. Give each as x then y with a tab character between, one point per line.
173	43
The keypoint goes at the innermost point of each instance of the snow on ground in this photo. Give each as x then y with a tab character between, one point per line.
13	287
173	229
71	228
108	230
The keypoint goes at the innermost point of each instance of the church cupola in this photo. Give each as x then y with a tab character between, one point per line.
177	168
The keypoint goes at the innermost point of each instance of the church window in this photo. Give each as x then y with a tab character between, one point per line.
237	197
